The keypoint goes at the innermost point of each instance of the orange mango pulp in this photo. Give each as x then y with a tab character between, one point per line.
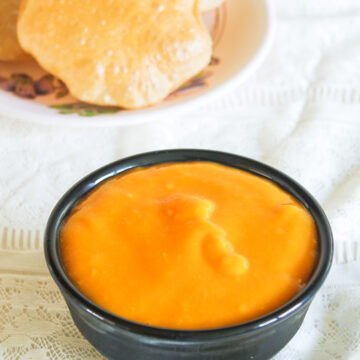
189	246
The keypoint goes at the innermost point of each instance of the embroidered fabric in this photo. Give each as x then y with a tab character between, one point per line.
35	322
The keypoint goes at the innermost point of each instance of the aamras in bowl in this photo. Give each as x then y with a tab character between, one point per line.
188	253
188	246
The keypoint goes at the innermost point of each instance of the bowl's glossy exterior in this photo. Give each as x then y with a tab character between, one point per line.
118	338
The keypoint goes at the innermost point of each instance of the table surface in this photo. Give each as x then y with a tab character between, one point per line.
299	113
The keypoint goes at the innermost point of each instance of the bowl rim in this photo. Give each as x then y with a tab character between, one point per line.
8	102
85	185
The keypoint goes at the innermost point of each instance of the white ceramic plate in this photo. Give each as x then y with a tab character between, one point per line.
241	30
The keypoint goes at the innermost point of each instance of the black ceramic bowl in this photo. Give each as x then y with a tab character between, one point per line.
118	338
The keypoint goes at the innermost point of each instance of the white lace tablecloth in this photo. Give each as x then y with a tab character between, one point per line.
300	113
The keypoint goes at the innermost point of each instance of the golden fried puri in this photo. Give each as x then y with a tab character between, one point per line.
9	46
130	53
